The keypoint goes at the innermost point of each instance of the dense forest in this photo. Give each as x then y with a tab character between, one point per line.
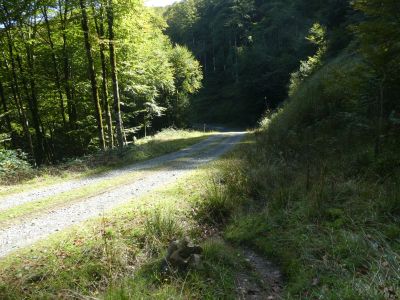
76	76
250	50
317	191
305	206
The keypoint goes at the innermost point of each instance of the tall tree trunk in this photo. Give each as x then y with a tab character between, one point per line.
54	61
28	36
34	107
378	141
16	93
71	107
236	62
104	87
117	104
5	108
92	75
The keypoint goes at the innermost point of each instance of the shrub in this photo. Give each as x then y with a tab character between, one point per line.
14	166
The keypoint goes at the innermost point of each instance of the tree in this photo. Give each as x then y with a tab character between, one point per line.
48	107
113	63
99	22
379	35
92	75
187	81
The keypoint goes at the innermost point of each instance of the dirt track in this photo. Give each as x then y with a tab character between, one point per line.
173	166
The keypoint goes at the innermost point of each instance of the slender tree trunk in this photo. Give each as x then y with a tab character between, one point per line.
29	40
213	58
71	107
30	94
5	108
117	105
34	108
378	142
6	112
16	94
104	85
27	32
55	68
92	75
236	62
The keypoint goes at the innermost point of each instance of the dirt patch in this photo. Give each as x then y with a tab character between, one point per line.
262	280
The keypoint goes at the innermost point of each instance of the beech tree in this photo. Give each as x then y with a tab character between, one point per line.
67	65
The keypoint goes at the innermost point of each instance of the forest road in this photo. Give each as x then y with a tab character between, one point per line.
170	168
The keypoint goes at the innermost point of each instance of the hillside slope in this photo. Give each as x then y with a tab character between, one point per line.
319	192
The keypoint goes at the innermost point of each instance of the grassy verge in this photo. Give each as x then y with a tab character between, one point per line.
13	214
118	255
313	191
335	236
167	141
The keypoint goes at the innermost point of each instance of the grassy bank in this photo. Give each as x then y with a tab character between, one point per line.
118	255
311	191
169	140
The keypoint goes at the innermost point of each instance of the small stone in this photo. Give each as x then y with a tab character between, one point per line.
315	281
182	254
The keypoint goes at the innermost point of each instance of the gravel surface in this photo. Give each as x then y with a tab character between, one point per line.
32	230
66	186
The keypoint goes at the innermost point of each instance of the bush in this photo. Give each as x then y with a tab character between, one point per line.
14	166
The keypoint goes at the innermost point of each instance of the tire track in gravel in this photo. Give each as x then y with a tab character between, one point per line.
37	228
43	192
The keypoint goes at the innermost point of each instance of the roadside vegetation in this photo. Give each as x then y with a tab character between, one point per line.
315	187
77	77
118	256
16	174
315	191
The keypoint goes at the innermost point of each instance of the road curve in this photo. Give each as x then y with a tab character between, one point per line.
70	185
179	164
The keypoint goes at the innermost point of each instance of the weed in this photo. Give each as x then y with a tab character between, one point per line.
160	228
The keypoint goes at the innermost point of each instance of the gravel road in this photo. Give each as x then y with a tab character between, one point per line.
70	185
179	164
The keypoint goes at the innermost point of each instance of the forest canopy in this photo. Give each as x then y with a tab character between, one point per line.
76	76
251	48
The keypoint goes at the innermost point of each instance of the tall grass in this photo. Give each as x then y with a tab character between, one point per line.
316	196
160	228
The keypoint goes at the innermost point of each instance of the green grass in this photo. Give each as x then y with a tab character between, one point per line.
119	255
13	214
167	141
312	193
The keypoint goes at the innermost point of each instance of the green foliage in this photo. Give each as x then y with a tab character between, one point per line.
318	199
378	32
166	141
317	36
46	98
118	256
187	79
248	49
216	206
14	166
160	228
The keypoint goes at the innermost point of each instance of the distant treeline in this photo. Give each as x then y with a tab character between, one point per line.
250	48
